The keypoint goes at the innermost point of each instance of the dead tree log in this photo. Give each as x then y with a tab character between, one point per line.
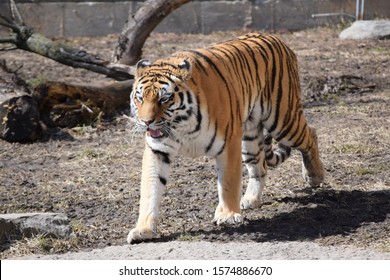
139	26
19	113
70	104
24	115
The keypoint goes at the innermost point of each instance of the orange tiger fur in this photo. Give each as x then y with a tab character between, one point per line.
221	101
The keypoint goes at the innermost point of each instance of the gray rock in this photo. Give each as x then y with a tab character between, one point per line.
367	29
13	226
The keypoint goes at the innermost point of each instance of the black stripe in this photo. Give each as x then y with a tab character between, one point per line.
198	118
270	156
301	137
181	96
273	74
180	118
228	89
209	61
208	148
280	91
189	112
250	138
243	58
252	160
251	154
264	63
200	65
224	142
287	129
238	69
249	50
268	139
162	155
163	180
169	78
189	97
292	136
290	114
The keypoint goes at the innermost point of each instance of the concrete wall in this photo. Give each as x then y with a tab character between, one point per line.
98	17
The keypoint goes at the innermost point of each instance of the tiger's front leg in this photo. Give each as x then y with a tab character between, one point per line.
229	185
155	172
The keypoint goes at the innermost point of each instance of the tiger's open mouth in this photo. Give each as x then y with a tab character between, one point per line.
155	133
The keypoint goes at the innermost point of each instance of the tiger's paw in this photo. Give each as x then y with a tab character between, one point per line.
250	202
140	234
314	179
228	218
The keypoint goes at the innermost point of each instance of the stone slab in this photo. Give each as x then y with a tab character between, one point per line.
14	226
367	29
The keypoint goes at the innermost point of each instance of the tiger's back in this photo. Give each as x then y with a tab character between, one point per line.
224	101
251	79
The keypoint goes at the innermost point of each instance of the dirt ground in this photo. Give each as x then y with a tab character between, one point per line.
92	173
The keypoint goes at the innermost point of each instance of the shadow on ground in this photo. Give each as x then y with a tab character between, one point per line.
320	214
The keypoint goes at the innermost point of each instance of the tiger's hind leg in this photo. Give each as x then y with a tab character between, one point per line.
312	169
253	155
276	156
305	140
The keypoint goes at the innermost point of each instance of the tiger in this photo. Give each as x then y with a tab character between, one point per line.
229	101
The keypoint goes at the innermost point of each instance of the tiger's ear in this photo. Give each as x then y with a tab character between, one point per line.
184	70
141	66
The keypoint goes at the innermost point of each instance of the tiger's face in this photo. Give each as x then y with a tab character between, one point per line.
159	100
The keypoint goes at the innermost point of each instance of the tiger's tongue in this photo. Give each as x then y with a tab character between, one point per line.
154	133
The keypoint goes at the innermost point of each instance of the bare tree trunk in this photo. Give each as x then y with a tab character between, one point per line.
139	26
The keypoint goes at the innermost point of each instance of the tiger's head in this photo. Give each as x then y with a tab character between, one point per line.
160	98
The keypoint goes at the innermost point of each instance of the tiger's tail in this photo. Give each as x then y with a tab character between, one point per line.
275	156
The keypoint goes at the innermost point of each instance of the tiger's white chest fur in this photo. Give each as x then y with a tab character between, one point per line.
206	143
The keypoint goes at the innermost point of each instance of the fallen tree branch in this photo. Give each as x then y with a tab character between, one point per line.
26	39
8	40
